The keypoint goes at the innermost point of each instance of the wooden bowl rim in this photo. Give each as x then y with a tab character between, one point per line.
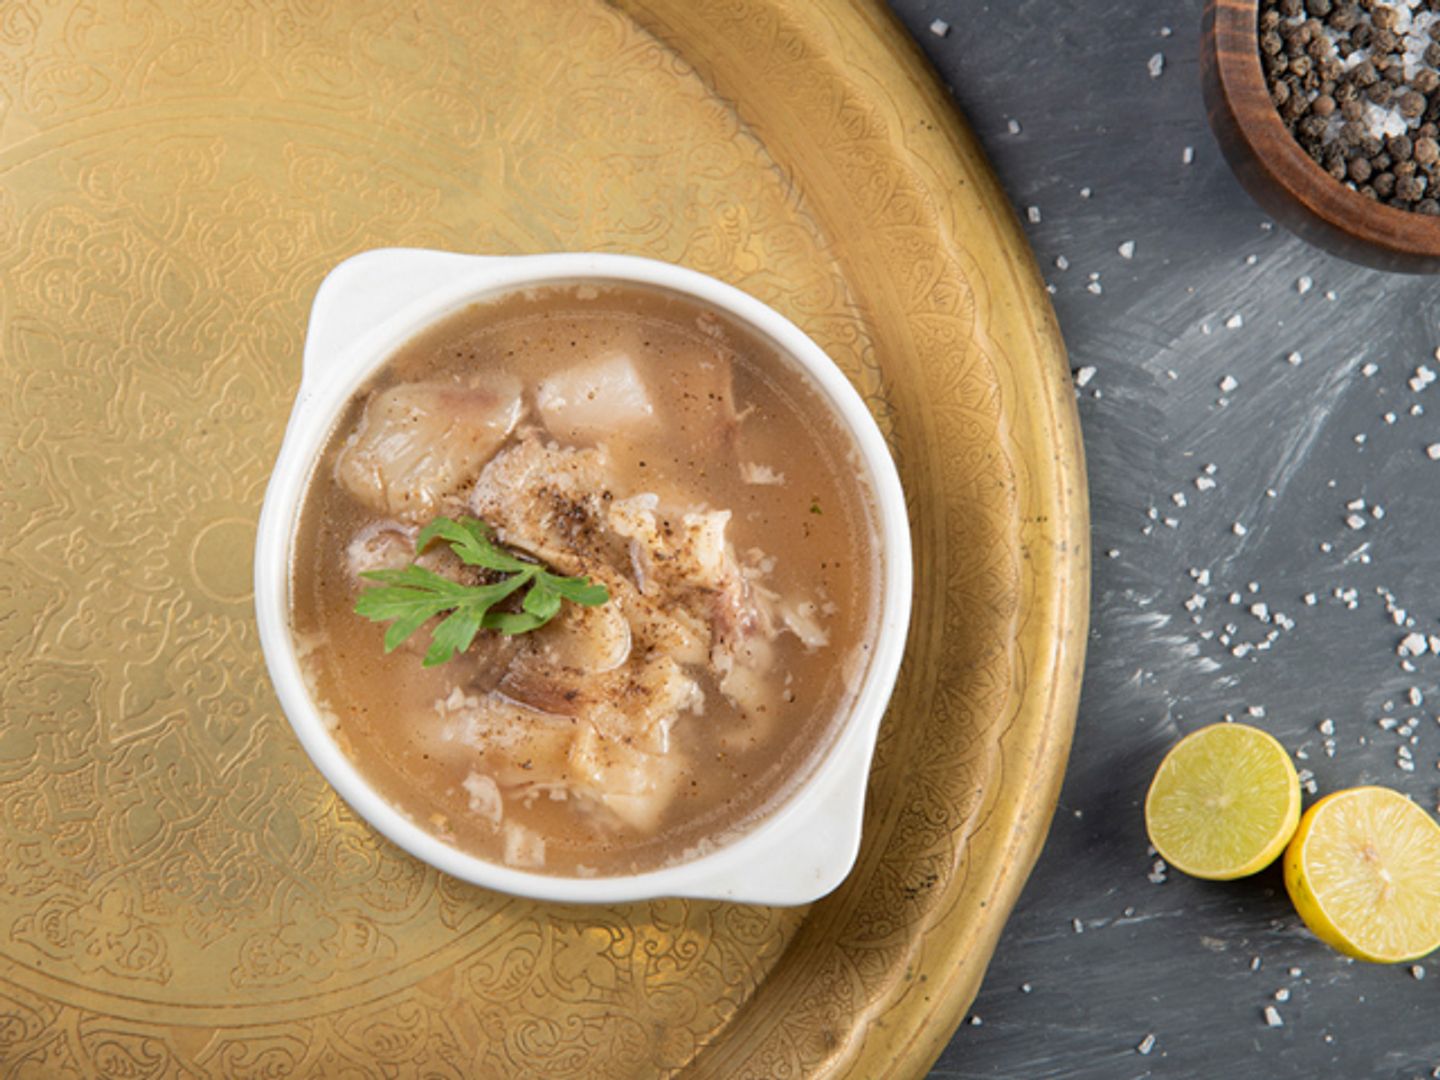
1278	153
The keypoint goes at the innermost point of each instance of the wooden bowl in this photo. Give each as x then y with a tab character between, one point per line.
1280	175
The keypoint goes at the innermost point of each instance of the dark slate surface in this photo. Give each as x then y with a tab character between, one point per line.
1177	959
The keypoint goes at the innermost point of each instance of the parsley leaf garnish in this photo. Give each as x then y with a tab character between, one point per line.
413	595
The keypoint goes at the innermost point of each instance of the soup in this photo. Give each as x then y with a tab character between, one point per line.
715	552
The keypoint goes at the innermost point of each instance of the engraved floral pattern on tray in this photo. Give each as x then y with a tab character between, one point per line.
180	892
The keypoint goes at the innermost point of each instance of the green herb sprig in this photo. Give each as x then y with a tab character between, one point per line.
414	595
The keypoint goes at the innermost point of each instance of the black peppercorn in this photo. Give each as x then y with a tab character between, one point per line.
1409	188
1319	8
1363	74
1426	81
1384	184
1383	17
1412	104
1380	92
1290	8
1270	43
1343	18
1428	206
1381	161
1359	170
1313	127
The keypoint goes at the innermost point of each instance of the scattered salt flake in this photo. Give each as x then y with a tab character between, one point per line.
1433	451
1251	260
1025	988
1062	263
1416	697
1304	283
1310	599
1187	156
1077	926
1033	213
1355	521
939	28
1422	378
1389	418
1272	1017
1296	972
1229	382
1095	288
1327	726
1146	1045
1331	294
1254	963
1084	375
1013	126
1113	553
1238	529
1156	65
1282	995
1417	971
1294	359
1369	369
975	1021
1234	322
1204	483
1086	192
1127	249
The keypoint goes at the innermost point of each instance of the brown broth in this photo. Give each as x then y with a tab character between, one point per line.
818	526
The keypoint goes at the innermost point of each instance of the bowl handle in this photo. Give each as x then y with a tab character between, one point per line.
808	856
365	290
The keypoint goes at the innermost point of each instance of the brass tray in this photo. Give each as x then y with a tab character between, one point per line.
180	893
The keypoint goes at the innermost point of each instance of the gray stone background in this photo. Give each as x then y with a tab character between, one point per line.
1097	955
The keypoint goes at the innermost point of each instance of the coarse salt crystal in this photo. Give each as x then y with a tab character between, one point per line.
1369	370
1234	322
1282	995
1086	192
1146	1045
1127	249
1294	359
1355	521
1187	156
1033	213
1204	483
1156	65
1014	126
1227	384
1416	697
1417	971
1077	926
1433	451
1084	375
939	28
1272	1017
1327	726
1095	288
1238	529
1062	263
1304	283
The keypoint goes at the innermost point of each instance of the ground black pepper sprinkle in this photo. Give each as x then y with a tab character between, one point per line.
1357	83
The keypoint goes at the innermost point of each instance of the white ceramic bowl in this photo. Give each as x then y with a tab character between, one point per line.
369	306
